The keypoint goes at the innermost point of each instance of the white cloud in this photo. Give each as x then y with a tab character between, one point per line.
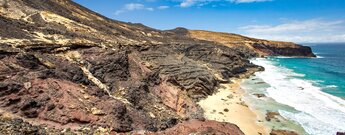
314	30
163	7
133	6
189	3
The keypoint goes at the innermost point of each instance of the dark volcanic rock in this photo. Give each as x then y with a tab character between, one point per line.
340	133
293	50
28	61
63	67
9	88
203	127
271	115
282	132
106	65
194	67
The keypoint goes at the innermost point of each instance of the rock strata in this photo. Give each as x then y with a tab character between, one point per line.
66	69
257	47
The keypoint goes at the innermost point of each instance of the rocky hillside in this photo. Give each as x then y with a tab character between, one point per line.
261	47
64	68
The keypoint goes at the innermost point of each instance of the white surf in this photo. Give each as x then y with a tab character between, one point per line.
319	113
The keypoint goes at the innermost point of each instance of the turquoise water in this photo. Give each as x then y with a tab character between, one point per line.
328	70
308	93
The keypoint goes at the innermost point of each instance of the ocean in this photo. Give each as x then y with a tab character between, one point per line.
308	93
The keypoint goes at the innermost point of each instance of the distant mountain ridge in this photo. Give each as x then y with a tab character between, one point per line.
63	66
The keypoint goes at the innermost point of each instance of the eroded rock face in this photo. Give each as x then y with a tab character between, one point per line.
54	88
63	66
283	49
253	46
147	89
204	127
198	69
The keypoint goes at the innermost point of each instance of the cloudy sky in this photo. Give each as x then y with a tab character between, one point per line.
299	21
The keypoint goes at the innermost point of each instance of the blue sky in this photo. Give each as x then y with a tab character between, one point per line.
286	20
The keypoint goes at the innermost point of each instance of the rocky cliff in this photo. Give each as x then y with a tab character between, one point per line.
259	46
64	68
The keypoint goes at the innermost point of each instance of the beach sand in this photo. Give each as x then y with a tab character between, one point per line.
227	106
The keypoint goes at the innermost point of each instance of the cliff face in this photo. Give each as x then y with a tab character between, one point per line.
64	66
259	46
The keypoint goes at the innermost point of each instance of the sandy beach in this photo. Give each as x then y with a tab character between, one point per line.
227	106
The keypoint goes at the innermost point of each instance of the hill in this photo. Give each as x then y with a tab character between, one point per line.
261	47
63	66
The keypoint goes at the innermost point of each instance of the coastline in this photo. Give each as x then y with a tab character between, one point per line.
296	96
227	105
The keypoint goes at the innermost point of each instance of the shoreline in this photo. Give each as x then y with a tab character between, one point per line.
227	105
300	101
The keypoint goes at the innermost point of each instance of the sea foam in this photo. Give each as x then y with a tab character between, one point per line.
318	113
332	86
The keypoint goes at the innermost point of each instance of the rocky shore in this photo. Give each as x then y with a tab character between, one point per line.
228	105
66	69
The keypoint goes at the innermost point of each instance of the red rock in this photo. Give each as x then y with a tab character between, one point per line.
204	127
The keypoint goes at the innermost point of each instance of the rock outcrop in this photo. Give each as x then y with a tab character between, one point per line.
283	132
259	46
203	128
63	67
